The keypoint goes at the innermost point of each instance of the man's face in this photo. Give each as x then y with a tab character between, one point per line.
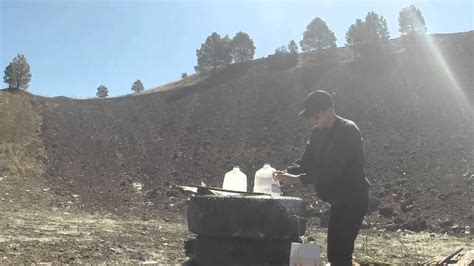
322	119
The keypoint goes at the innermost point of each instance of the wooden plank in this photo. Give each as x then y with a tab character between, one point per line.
202	190
215	189
467	259
448	258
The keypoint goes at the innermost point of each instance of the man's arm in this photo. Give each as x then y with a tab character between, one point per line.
301	167
285	178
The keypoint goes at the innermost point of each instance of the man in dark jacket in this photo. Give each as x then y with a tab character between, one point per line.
333	161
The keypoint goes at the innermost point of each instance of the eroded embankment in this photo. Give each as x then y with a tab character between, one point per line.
21	172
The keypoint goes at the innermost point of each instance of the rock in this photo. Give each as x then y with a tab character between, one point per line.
416	224
399	221
209	130
313	212
365	225
374	204
390	227
386	211
468	230
446	223
141	256
153	194
383	193
401	181
396	195
171	193
324	218
410	207
407	205
443	197
455	228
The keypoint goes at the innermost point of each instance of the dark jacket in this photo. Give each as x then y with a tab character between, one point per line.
333	161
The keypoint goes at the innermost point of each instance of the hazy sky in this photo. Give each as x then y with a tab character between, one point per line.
74	46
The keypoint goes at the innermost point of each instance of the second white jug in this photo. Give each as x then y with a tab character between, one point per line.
264	181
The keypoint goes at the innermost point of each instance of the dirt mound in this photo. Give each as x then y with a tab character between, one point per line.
126	155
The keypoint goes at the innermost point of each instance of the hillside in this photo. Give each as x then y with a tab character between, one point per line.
126	155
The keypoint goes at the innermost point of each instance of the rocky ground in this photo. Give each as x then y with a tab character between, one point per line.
72	237
121	160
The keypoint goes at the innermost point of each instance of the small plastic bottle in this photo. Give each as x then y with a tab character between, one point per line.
235	180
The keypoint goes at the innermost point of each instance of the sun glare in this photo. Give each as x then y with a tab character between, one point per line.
454	89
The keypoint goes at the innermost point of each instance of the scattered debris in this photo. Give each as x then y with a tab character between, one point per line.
138	186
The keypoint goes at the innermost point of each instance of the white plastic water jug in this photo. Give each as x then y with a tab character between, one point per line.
235	180
264	181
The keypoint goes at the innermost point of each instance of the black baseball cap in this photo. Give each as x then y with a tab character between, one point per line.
316	102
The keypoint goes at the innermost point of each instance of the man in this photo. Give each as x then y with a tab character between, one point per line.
333	161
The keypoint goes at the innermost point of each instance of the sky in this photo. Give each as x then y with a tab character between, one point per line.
73	46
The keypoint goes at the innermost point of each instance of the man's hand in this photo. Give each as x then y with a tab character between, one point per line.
285	178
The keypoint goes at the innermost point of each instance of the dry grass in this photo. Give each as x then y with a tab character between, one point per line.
59	236
378	246
191	80
19	125
20	148
106	238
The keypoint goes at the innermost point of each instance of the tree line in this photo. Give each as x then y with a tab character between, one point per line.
368	37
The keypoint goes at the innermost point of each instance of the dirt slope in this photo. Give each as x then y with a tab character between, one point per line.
22	182
126	155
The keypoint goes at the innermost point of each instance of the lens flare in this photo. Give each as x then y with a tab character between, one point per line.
447	74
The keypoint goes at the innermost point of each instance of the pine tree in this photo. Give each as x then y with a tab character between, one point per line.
355	36
242	47
317	36
184	77
411	21
17	73
375	36
102	91
376	29
214	53
137	86
293	47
